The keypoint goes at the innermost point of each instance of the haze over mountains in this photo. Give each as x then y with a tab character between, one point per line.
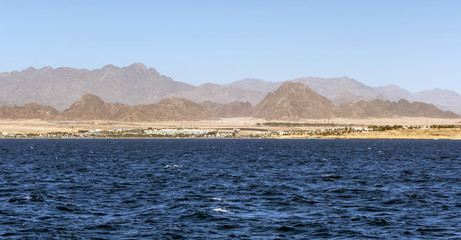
120	88
61	87
343	90
291	101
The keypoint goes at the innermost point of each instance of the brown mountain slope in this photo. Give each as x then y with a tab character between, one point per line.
234	109
91	107
28	111
292	101
334	88
402	108
178	109
137	84
346	97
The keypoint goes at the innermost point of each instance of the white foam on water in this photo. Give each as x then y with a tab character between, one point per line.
173	166
222	210
217	199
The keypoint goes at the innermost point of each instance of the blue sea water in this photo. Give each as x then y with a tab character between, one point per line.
230	189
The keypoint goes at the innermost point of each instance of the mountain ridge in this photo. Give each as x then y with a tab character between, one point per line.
292	101
136	84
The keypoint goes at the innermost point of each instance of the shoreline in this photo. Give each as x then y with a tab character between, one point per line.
237	128
345	139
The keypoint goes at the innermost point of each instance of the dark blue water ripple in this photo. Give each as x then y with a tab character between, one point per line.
230	189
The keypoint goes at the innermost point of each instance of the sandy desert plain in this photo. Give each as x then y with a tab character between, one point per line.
413	128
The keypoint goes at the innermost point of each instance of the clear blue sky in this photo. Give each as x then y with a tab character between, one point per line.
413	44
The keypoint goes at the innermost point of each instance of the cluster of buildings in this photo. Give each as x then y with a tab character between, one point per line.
201	133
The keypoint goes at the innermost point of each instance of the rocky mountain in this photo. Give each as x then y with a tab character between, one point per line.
347	97
394	93
338	90
331	87
137	84
291	101
443	99
60	87
91	107
221	94
132	85
345	90
294	101
4	104
28	111
388	109
256	85
178	109
234	109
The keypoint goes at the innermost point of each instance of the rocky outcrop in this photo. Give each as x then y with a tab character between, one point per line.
28	111
234	109
293	101
387	109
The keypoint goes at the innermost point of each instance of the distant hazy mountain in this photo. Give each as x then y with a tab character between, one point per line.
5	104
347	97
136	84
331	87
394	93
327	87
294	101
256	85
344	90
61	87
444	99
291	101
234	109
221	94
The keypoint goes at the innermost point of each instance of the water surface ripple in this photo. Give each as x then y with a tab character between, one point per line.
230	189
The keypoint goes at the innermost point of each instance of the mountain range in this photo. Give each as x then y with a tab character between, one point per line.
137	85
344	90
291	101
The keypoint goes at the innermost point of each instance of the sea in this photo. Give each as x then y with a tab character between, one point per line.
229	189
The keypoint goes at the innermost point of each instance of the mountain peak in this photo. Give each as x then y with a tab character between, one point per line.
46	68
109	67
29	69
294	100
90	99
138	67
293	86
